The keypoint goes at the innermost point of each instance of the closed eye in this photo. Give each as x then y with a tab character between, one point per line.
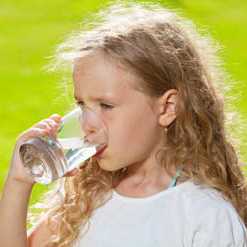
106	106
103	105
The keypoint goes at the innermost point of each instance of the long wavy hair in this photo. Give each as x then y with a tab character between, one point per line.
165	51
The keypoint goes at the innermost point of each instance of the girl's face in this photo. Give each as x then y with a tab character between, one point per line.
129	115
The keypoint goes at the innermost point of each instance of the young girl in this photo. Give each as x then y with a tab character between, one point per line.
169	175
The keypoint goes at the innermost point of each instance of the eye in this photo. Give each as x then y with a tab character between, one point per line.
106	106
103	105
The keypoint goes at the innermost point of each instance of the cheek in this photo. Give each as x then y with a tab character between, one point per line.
135	136
131	140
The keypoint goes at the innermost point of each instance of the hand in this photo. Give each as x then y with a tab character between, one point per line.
46	127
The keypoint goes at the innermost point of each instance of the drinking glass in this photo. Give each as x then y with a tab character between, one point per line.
49	158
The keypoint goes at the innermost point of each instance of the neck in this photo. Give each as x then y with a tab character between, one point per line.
144	180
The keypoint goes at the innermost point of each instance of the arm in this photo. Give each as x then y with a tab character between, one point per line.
16	193
13	213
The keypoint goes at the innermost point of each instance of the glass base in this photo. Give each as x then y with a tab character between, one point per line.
43	159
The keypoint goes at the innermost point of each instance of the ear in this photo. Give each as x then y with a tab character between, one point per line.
167	107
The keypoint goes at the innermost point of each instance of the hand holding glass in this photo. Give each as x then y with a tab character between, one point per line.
48	158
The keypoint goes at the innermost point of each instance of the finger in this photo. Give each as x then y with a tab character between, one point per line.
34	132
52	124
31	133
50	131
57	118
49	122
56	121
43	125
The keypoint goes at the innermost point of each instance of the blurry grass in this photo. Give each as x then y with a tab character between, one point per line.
31	29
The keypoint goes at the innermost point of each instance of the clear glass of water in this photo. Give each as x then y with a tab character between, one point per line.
49	158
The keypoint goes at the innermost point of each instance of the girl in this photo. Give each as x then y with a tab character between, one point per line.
169	175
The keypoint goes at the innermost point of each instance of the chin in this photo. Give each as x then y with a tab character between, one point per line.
106	165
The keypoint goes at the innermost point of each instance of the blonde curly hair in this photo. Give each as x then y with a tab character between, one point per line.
166	52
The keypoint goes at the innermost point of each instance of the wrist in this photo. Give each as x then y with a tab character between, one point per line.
15	185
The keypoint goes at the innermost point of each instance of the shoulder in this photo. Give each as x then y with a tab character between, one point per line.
199	194
212	220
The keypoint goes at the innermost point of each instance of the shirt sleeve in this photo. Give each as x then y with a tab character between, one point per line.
218	226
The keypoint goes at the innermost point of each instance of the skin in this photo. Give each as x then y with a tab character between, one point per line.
135	122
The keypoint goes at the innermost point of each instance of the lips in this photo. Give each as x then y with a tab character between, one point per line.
100	150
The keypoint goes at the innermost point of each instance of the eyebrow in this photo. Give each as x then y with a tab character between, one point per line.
99	98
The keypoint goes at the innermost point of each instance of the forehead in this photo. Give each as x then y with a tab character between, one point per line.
97	76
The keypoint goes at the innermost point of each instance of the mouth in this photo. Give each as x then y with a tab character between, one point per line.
100	150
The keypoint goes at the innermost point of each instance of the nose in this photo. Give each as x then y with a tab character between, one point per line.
90	124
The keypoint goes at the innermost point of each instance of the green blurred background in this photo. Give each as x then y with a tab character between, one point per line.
31	29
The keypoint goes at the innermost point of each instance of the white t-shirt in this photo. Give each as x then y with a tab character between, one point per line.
187	215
